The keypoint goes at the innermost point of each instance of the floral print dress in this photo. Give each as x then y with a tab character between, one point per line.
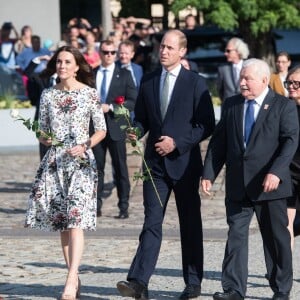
63	194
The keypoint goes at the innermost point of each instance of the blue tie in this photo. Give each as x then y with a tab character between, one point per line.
249	120
103	87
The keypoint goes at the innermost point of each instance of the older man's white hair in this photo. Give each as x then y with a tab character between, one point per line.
260	67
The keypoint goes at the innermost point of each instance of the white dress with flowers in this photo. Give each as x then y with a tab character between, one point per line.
63	194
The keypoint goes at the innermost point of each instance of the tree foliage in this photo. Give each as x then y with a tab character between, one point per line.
254	19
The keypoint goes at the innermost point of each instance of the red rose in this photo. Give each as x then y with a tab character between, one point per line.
119	100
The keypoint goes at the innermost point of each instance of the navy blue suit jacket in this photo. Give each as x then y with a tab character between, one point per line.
189	120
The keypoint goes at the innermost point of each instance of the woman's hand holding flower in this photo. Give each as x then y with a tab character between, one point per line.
47	141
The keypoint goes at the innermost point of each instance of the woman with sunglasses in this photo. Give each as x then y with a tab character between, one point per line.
292	84
283	62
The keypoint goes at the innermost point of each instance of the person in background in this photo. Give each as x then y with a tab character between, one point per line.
25	39
143	46
189	64
126	54
7	45
256	139
25	57
174	108
91	53
190	22
36	83
63	195
283	62
228	75
112	82
292	84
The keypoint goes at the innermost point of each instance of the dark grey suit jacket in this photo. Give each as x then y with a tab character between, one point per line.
271	147
226	85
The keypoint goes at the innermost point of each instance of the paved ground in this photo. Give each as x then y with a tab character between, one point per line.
31	264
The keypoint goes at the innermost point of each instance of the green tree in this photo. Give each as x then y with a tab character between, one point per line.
254	19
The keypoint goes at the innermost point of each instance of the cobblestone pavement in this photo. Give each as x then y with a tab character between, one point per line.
31	263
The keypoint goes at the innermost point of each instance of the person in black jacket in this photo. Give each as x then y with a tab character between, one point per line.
256	139
37	82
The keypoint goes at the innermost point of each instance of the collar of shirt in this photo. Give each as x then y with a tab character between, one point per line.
239	65
258	102
109	74
110	68
172	79
126	66
173	72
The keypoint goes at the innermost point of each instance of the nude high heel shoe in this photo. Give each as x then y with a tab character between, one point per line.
74	295
78	289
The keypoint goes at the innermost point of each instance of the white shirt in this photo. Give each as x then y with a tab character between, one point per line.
237	70
257	105
109	74
172	79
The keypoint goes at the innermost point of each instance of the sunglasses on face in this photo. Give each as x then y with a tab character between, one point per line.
229	50
295	84
108	52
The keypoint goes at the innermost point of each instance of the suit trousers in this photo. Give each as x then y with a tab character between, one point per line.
272	219
117	150
188	207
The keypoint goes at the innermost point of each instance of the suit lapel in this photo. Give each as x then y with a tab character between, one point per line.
156	90
263	112
177	90
113	84
239	120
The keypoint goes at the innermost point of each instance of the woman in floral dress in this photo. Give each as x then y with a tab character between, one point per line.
63	196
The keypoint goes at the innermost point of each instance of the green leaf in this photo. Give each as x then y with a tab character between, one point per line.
35	126
139	144
28	124
136	152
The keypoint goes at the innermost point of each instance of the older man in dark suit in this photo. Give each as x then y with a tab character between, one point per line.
174	107
256	138
111	82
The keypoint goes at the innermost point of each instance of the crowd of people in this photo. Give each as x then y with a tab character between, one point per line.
75	88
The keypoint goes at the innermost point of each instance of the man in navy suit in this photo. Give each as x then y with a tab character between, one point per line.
256	139
118	82
174	107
